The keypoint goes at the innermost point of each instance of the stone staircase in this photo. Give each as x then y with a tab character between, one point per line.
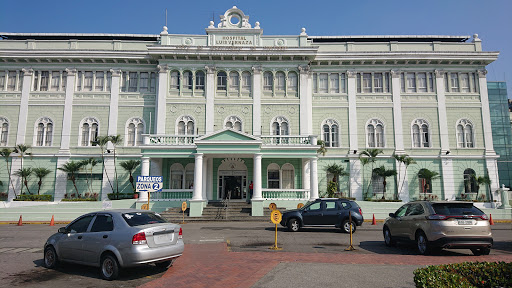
218	211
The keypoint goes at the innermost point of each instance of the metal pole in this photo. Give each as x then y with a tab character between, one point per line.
350	248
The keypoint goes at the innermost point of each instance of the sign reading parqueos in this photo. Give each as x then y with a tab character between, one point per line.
149	183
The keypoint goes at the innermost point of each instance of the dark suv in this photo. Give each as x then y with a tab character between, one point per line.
324	212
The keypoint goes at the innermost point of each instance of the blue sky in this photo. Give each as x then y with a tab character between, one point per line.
490	19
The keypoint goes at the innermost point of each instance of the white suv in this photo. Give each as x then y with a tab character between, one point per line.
435	225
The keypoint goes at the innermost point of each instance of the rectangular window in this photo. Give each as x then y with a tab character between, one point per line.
88	81
367	82
315	84
343	86
234	83
45	76
377	81
475	81
431	82
359	82
454	81
79	81
199	80
292	82
100	81
464	82
11	81
144	81
268	80
132	85
411	82
422	82
335	83
386	82
109	80
246	81
152	84
273	179
446	83
55	81
322	83
402	82
2	80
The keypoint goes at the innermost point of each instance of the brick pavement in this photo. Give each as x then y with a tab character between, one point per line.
212	265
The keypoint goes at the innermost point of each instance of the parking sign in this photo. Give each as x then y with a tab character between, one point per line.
149	183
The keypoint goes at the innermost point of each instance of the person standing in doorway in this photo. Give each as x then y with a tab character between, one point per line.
250	192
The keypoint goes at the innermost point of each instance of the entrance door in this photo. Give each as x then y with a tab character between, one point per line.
232	187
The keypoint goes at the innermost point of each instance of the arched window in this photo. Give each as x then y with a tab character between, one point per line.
234	81
185	125
330	133
4	126
425	185
89	129
273	177
175	80
470	185
233	122
135	127
43	132
199	80
221	80
465	134
420	133
292	81
268	81
377	183
288	173
187	80
280	126
189	176
280	81
177	178
246	81
375	133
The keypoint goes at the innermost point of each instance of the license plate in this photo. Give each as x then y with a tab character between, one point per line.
165	238
465	222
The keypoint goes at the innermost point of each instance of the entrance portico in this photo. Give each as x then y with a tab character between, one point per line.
225	162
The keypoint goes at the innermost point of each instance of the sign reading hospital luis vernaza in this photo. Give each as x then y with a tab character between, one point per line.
149	183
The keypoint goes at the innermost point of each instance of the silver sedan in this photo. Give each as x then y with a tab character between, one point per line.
113	239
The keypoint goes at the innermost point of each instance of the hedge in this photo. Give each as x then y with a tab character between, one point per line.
115	196
466	274
79	199
33	198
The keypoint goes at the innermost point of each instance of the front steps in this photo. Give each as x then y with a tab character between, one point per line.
218	211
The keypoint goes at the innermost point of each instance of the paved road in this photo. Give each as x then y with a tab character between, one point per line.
309	257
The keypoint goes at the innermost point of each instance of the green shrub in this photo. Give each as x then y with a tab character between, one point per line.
79	199
382	200
467	274
34	198
115	196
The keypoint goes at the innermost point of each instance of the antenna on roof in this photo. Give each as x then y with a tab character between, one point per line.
165	16
213	16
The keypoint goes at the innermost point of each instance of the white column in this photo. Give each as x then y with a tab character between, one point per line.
256	101
110	171
23	114
68	111
161	99
313	178
492	171
305	174
210	98
448	181
352	110
486	114
356	184
114	102
143	196
306	102
61	178
198	177
397	112
403	186
443	118
205	178
257	193
15	180
209	182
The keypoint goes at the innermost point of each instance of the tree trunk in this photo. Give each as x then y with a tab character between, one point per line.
131	181
26	185
39	186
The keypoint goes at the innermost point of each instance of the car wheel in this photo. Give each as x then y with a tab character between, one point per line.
164	264
345	226
50	257
109	267
388	239
422	243
293	225
481	251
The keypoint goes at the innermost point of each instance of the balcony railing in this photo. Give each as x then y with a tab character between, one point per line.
169	139
285	194
284	140
184	140
172	195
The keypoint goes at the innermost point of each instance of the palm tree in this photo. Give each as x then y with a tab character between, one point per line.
130	166
428	175
322	150
24	173
101	141
482	180
406	160
40	173
364	162
371	156
72	167
6	153
116	140
384	173
22	150
337	170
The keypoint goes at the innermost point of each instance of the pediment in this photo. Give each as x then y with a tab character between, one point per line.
227	135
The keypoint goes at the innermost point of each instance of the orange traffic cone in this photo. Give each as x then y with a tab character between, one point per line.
490	220
20	222
52	223
373	221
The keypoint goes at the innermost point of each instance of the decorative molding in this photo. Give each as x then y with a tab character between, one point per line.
482	73
210	69
115	72
439	73
256	69
27	71
163	68
71	71
351	73
395	73
304	69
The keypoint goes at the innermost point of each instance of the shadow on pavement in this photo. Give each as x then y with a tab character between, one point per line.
317	230
406	248
503	246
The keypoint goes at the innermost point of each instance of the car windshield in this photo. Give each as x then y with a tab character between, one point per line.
142	218
456	209
307	205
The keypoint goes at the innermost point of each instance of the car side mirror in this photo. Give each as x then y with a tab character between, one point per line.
62	230
392	215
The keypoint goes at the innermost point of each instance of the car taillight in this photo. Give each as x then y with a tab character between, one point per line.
436	217
139	239
180	235
484	217
360	211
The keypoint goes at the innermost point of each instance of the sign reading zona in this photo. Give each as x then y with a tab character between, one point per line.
149	183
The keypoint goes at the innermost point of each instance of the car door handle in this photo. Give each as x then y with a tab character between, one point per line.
80	237
105	236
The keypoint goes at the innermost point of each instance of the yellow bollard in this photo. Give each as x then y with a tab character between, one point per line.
351	247
276	218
